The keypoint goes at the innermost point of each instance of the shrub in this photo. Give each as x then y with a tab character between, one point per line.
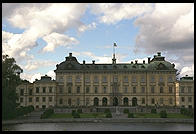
79	110
153	111
73	112
130	115
47	113
76	115
108	115
126	111
163	114
107	111
95	114
182	110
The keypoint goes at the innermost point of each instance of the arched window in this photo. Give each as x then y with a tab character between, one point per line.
104	101
125	101
96	101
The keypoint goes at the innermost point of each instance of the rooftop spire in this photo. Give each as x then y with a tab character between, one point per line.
114	59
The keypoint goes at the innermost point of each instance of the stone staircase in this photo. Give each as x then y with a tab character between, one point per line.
34	115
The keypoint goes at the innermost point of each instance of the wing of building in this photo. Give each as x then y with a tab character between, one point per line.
117	84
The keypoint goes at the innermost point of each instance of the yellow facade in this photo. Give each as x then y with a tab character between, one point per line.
186	92
132	84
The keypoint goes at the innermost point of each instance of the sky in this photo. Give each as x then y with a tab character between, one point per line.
41	35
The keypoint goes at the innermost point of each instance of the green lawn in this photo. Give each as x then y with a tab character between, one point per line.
61	115
150	115
82	115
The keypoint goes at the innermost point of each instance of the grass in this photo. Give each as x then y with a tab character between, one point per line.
61	115
82	115
150	115
102	115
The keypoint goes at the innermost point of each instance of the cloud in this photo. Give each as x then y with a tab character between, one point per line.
168	28
40	21
31	77
111	13
83	28
101	59
55	39
187	71
33	65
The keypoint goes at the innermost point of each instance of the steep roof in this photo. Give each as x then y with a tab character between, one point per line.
157	63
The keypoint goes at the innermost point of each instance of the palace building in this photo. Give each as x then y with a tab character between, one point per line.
117	84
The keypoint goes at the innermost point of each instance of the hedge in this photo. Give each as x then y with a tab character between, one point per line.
163	114
47	113
126	111
130	115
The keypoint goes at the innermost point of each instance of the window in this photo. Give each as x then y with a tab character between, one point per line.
69	101
69	90
170	79
50	99
21	99
50	89
152	89
182	89
78	79
69	79
104	89
37	89
96	79
43	106
161	79
161	100
30	99
61	101
87	101
125	89
170	89
134	89
96	90
78	89
125	79
161	89
21	92
143	100
87	79
44	89
152	79
31	91
78	101
182	99
170	100
189	89
104	79
133	79
87	89
43	99
152	101
143	89
115	78
37	99
190	106
189	99
60	78
142	79
60	89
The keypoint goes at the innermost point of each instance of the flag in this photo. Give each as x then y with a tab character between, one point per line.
115	45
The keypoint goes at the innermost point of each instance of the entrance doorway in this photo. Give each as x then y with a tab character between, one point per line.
115	101
134	101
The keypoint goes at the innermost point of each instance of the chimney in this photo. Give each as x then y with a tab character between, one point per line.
131	62
148	60
135	61
93	61
159	53
143	61
70	54
83	61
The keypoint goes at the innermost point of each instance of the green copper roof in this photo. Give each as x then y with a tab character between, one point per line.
157	63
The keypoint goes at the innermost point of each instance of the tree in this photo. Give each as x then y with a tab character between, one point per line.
10	80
